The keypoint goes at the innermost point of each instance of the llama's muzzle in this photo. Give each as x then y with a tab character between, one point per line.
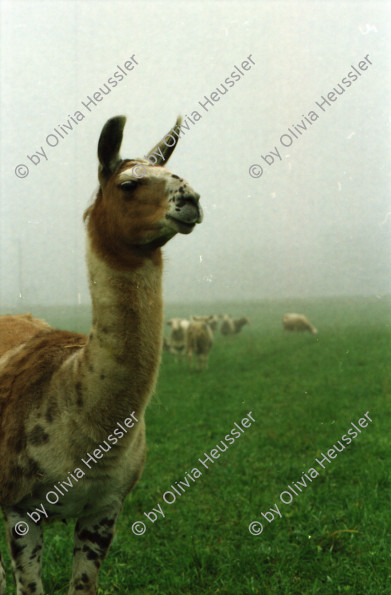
185	211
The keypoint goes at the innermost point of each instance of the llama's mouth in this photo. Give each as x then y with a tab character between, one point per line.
182	226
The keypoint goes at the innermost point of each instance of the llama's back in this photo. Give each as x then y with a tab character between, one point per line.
16	329
25	375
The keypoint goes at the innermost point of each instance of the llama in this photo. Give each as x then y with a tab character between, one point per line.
63	393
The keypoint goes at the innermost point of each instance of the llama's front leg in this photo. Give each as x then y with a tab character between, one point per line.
26	553
93	535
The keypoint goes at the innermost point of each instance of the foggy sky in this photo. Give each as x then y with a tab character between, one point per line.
316	223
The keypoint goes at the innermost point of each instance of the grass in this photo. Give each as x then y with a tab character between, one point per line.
303	391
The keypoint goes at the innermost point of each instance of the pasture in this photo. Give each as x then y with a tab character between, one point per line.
303	391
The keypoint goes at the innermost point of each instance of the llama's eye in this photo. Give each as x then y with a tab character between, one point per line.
129	185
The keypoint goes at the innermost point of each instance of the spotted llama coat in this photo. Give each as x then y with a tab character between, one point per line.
64	397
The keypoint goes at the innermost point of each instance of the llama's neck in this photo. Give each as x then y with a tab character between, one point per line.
118	366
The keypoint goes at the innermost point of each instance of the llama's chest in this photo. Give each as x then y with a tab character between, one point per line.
93	485
84	498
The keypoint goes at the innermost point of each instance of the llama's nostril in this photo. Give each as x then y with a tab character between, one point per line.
183	199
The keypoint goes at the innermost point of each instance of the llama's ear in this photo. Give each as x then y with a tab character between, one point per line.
108	147
163	149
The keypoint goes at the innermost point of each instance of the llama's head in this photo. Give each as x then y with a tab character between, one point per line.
140	203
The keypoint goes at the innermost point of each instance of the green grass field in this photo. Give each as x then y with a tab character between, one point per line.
303	391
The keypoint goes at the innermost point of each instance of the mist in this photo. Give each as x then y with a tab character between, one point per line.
316	222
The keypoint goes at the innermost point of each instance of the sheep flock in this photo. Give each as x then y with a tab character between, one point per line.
194	337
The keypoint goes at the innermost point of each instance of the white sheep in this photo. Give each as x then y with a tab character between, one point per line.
176	342
298	322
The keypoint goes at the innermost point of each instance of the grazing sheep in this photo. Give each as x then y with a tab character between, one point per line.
297	322
239	323
199	341
176	342
232	326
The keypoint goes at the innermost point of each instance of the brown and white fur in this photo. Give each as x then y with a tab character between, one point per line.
63	393
16	329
